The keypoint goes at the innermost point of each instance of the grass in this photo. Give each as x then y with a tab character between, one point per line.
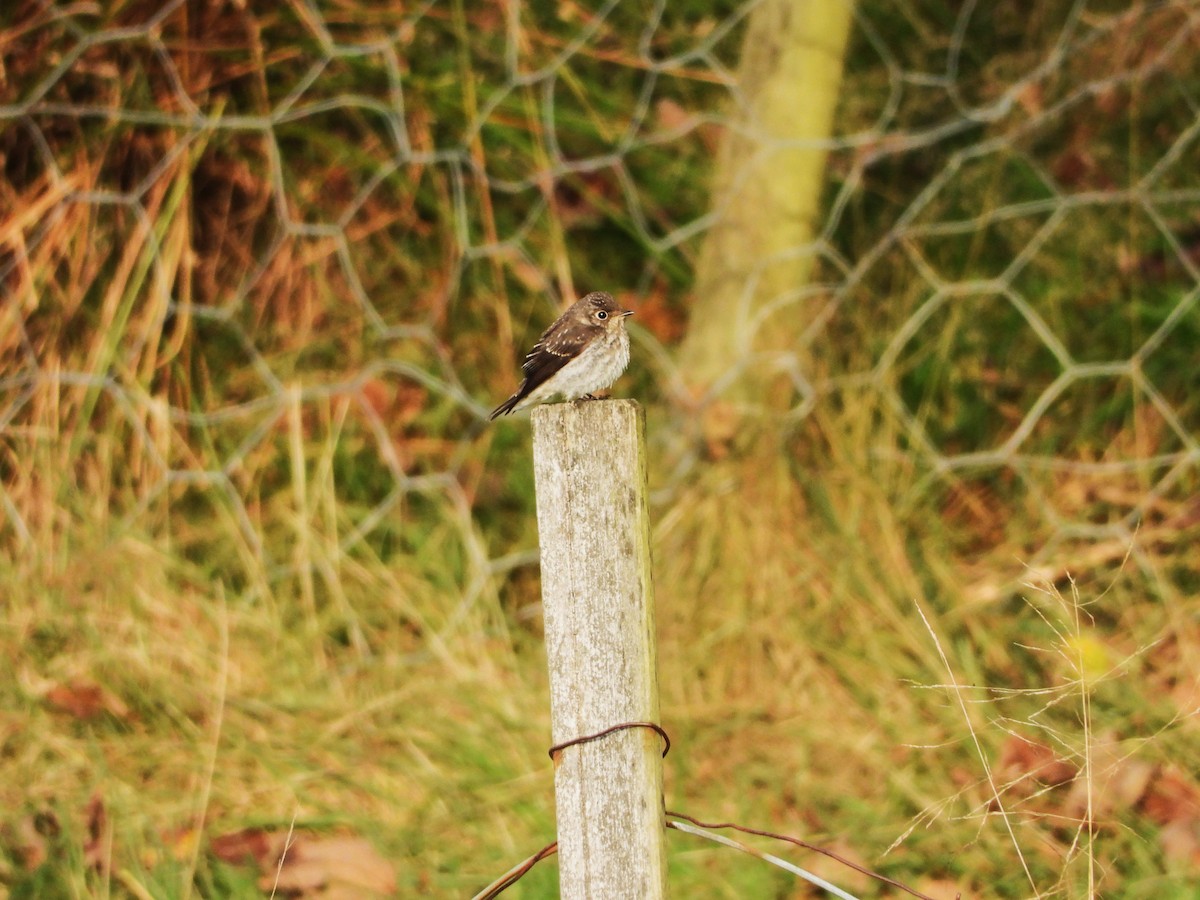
263	569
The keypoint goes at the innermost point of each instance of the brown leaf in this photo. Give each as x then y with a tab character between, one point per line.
248	845
85	701
1114	787
331	867
1023	758
378	395
96	847
1111	100
1181	842
1074	166
672	116
1031	99
410	401
30	843
1172	797
1129	782
1186	693
711	135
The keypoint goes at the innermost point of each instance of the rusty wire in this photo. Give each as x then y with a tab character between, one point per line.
557	748
799	843
515	874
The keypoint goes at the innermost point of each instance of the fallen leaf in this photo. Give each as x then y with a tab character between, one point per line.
1114	787
85	701
1031	100
410	401
1022	758
1171	797
329	868
30	843
672	116
711	135
1073	167
98	844
1129	782
378	395
1110	100
1180	842
248	845
1186	697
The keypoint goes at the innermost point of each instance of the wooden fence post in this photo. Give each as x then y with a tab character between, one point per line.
593	524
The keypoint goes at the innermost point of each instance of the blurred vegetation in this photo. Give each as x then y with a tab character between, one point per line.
263	273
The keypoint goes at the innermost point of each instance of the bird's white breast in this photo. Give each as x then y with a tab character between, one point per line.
599	364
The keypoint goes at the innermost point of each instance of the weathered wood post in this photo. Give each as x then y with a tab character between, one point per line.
590	472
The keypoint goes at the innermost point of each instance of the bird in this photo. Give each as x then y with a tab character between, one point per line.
585	350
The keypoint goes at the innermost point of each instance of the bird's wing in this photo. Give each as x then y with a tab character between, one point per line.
554	349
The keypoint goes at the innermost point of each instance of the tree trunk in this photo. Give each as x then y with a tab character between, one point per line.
770	172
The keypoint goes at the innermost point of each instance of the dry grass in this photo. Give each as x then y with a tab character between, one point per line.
261	569
815	626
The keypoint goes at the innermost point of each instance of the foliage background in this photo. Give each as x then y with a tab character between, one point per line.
263	274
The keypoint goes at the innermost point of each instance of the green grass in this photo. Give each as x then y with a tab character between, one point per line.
261	567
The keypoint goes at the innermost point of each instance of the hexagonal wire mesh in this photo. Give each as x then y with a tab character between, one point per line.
308	228
260	269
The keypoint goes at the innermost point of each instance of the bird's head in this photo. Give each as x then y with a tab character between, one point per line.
600	310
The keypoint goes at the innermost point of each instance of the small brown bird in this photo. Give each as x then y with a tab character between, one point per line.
585	350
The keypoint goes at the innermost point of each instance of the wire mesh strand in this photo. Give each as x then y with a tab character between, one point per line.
304	229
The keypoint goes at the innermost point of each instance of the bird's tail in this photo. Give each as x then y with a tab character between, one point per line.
507	406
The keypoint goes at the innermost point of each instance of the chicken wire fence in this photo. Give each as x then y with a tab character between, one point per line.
265	270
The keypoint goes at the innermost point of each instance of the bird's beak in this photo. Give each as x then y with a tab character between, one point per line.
626	312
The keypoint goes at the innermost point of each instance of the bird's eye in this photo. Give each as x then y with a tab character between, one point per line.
602	315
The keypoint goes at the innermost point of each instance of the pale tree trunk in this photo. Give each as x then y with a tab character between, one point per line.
770	171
